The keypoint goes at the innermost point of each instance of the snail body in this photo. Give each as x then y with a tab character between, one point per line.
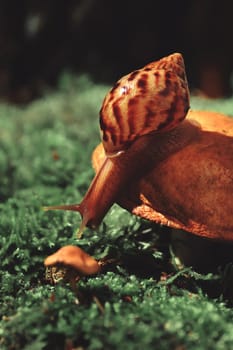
155	162
189	186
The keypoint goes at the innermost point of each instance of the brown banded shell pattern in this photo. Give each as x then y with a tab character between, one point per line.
152	99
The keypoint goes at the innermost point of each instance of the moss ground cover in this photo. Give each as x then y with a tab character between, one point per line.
141	300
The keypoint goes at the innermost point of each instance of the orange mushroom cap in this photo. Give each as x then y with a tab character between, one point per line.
75	258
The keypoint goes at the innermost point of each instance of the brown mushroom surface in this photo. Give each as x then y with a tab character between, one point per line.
74	257
189	184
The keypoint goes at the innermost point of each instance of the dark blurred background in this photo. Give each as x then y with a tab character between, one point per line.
39	39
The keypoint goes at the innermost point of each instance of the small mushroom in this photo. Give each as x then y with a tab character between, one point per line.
73	258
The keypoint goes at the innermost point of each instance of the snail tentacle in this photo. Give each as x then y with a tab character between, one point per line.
97	200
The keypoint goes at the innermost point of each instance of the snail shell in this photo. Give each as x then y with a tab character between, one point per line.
154	98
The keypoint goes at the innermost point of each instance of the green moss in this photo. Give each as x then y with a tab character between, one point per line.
45	151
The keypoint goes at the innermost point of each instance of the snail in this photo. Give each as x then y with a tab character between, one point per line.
159	159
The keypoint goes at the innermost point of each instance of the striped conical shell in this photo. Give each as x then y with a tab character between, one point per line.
152	99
